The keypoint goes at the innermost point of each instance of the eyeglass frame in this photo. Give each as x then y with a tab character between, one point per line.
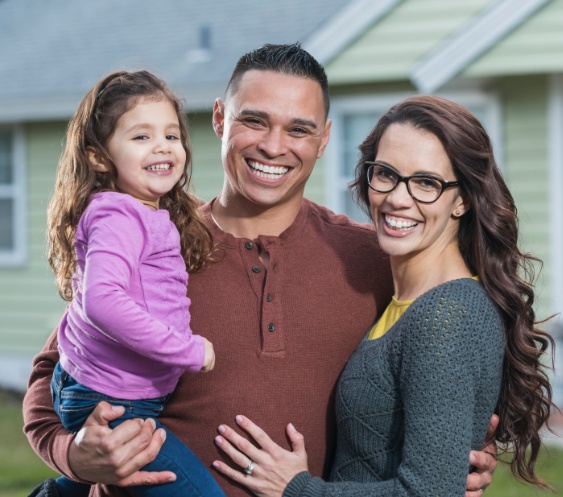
405	179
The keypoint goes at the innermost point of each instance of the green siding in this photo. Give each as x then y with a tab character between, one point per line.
534	47
526	170
389	49
29	304
207	171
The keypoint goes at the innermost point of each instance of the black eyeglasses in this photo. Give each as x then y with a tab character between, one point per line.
383	178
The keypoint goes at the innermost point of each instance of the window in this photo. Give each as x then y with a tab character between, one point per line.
353	118
12	197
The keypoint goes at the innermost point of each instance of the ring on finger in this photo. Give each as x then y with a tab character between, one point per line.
248	470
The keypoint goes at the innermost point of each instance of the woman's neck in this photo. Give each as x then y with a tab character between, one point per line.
416	274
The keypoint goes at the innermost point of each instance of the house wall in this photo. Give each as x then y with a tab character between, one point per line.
29	304
525	123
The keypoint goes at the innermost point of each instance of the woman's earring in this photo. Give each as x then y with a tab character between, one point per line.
457	213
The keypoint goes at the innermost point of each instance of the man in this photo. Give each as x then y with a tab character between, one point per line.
293	292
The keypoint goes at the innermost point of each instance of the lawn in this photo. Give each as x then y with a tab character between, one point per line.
21	469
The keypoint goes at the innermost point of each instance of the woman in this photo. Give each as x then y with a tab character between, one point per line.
457	343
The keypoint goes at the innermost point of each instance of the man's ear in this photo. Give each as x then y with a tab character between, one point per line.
97	162
219	117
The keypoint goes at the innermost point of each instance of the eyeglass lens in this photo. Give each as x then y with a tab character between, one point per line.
422	188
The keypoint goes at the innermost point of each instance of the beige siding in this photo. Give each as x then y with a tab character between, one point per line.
534	47
389	49
29	304
526	169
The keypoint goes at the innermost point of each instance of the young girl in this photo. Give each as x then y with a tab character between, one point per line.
122	230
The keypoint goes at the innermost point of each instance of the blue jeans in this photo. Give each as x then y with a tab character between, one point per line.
74	402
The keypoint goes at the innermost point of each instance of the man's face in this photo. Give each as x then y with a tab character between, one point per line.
273	128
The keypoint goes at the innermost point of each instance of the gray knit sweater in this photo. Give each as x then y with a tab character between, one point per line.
411	404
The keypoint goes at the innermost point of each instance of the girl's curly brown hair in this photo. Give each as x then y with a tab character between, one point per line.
91	127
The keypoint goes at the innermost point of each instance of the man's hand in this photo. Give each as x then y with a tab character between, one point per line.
485	463
99	454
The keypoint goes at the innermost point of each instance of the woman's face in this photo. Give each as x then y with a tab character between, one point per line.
407	228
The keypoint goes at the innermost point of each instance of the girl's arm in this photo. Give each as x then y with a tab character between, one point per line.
118	239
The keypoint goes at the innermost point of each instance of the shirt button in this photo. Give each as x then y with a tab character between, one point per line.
256	269
249	245
270	297
271	327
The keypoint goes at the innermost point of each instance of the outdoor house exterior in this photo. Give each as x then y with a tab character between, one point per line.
503	59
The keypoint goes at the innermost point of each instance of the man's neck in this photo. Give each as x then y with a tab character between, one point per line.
245	220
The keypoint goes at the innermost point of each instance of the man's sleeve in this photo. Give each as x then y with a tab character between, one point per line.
42	426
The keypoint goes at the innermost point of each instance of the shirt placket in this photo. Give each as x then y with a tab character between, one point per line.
266	283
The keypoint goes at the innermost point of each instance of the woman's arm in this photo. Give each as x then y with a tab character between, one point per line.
277	470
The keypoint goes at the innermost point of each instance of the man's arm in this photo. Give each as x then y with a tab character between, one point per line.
96	453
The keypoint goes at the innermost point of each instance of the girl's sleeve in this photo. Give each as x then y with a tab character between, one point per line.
117	239
439	371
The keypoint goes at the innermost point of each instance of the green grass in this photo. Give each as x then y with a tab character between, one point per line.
21	469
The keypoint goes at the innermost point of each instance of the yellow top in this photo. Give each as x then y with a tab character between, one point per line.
391	315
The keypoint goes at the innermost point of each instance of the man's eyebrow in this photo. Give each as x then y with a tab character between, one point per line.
264	115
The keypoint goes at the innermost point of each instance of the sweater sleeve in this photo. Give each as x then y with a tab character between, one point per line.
438	374
42	426
117	239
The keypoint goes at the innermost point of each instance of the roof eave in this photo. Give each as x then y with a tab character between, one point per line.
342	29
458	51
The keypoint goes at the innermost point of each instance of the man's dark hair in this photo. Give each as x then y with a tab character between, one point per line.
287	59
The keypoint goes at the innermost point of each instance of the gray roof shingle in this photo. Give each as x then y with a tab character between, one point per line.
53	51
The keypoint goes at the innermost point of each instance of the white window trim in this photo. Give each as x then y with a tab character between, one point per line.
555	137
18	255
335	187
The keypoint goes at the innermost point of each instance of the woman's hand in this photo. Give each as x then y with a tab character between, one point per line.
272	468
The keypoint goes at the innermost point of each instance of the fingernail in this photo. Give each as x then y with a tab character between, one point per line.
291	427
115	408
472	458
215	464
218	440
163	434
221	429
239	419
151	421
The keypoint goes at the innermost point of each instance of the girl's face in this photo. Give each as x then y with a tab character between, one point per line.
407	228
146	149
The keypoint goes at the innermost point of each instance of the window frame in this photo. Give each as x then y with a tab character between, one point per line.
17	255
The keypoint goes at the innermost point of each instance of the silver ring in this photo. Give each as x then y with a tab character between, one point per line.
250	467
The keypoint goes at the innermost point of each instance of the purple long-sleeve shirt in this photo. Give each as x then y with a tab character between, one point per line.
126	332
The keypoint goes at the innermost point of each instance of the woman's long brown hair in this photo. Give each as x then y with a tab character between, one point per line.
92	126
488	240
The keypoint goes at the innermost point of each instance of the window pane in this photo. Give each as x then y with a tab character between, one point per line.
356	128
5	158
6	224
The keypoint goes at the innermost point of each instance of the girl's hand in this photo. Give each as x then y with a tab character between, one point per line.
273	466
209	357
